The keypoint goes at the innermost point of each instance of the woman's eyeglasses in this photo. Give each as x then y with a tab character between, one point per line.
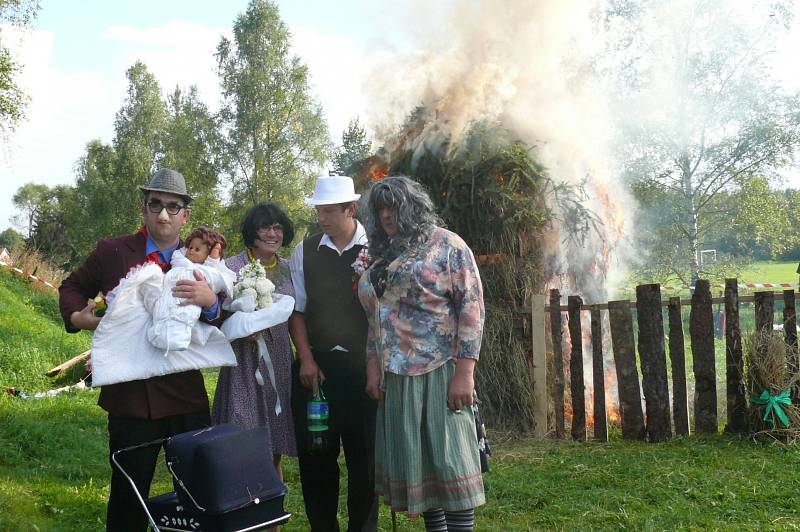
275	228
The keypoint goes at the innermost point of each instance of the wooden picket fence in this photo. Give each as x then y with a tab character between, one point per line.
662	416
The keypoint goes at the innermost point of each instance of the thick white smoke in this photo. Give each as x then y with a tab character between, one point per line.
529	66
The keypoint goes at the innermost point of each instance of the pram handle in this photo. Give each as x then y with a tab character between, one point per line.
183	486
130	480
136	490
141	499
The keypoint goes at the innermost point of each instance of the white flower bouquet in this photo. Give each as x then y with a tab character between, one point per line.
254	286
255	305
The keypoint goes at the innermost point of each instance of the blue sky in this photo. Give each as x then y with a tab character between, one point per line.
76	56
80	26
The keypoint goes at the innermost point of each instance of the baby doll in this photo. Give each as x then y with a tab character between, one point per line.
172	325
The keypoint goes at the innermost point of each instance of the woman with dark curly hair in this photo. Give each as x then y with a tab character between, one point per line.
239	398
424	302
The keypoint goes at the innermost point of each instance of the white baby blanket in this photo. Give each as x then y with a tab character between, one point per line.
120	349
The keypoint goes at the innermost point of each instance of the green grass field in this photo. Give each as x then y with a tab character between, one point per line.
770	272
54	470
773	272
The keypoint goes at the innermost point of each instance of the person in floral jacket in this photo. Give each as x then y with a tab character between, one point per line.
424	304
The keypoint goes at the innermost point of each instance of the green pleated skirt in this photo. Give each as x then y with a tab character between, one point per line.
425	455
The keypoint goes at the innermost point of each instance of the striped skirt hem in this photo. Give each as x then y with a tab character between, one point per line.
426	456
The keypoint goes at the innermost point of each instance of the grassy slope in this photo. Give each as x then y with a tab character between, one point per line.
54	471
32	336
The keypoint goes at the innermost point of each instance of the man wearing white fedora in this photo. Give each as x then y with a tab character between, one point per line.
329	330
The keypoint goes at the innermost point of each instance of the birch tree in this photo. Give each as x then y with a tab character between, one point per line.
276	137
699	111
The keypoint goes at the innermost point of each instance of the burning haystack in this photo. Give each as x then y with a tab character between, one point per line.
511	135
489	189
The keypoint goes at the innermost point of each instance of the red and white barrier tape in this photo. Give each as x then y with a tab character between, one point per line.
29	275
740	285
748	286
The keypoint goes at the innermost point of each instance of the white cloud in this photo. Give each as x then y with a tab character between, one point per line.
177	53
181	52
66	110
337	67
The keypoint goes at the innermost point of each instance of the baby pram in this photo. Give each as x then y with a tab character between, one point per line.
224	481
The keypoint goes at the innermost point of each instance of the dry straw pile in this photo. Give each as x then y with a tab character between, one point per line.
770	386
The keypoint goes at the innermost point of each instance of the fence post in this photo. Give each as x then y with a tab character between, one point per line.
764	303
576	386
630	398
734	365
701	330
558	362
538	332
677	357
790	333
599	378
654	361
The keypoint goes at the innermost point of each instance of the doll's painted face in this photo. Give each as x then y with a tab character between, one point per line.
197	251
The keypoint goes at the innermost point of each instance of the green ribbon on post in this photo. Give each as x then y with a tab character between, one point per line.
774	403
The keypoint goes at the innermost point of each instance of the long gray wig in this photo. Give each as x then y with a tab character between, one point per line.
416	217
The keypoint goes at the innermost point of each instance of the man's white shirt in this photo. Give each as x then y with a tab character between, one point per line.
296	263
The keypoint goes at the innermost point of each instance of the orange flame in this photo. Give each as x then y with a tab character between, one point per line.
612	405
487	260
612	216
609	380
378	172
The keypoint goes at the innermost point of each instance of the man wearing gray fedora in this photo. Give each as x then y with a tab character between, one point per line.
149	409
329	330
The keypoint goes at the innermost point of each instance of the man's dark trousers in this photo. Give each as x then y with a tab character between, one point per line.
125	512
352	420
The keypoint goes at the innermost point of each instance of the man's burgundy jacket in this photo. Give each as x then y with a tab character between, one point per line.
153	398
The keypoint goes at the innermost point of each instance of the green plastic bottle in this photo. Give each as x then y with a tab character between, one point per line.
318	414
